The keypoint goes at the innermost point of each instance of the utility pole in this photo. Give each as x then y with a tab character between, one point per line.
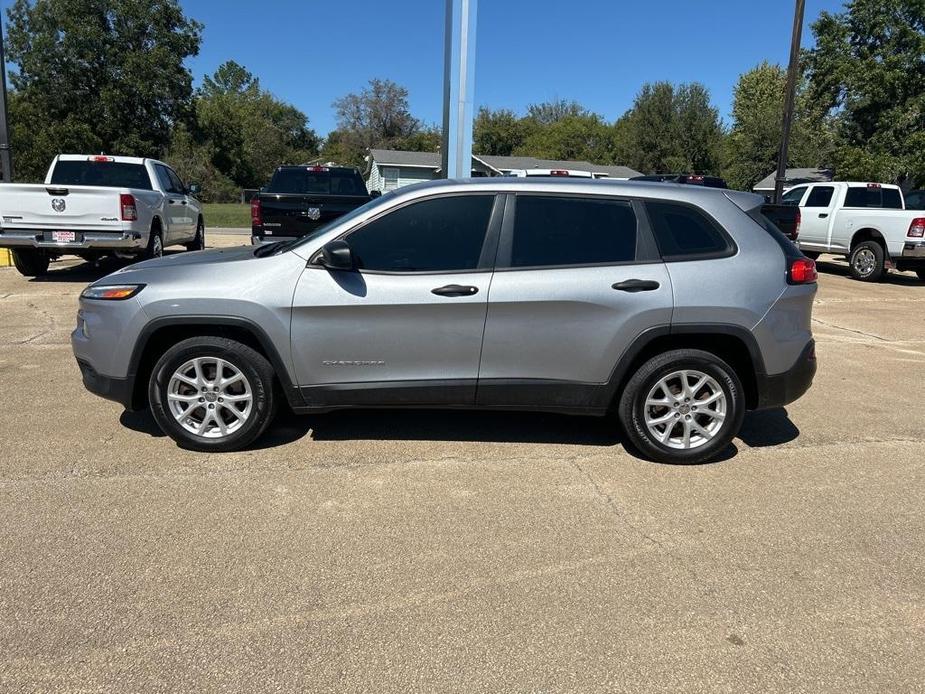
793	71
458	88
6	156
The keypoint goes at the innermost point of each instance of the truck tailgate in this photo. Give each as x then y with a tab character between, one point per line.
39	206
291	214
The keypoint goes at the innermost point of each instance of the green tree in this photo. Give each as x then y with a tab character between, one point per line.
753	144
574	137
549	112
96	75
868	68
500	132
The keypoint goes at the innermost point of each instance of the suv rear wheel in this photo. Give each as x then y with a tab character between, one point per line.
212	394
682	406
31	263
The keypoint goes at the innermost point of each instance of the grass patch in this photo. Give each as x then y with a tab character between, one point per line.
226	214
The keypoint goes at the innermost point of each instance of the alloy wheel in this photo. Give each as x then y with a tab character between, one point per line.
864	261
210	397
685	409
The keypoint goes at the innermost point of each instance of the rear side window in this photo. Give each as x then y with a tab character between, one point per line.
550	231
682	231
820	196
101	173
437	235
318	181
887	198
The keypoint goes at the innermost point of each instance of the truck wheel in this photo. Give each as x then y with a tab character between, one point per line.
155	244
30	263
212	394
921	274
199	242
866	261
683	406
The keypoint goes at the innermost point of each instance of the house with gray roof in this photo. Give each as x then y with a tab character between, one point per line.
794	177
388	169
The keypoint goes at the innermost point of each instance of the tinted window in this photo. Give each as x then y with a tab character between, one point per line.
101	173
684	231
572	231
175	182
437	235
820	196
858	196
915	201
317	180
793	196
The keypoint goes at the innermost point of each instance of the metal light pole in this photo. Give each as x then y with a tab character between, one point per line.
792	74
458	88
6	156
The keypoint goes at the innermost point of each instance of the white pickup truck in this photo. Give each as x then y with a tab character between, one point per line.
867	222
96	205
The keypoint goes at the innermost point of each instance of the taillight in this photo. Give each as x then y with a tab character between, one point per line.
802	271
256	213
558	172
796	226
127	204
916	228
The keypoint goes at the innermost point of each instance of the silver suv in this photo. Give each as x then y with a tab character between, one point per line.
676	308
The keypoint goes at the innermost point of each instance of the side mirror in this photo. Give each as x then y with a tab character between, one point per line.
375	193
194	188
336	255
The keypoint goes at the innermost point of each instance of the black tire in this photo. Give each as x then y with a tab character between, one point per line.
199	242
256	370
30	263
812	255
921	274
632	407
866	262
155	247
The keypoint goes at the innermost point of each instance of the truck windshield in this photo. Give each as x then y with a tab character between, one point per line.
101	173
316	180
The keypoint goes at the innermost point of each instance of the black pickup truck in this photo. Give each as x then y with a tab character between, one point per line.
299	199
785	217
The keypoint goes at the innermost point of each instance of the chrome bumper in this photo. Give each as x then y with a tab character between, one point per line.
914	249
90	241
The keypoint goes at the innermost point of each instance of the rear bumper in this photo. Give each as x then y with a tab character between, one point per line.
914	249
89	240
777	390
116	389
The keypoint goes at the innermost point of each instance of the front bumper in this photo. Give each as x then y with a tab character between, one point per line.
89	240
777	390
119	390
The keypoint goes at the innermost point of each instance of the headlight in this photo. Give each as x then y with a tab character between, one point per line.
111	292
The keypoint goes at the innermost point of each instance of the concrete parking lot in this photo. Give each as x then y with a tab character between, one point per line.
422	551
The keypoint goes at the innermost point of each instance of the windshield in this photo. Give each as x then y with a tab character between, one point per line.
100	173
283	246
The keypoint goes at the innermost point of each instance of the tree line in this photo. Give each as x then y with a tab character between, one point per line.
110	76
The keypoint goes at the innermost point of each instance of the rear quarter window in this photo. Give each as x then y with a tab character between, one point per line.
882	198
683	232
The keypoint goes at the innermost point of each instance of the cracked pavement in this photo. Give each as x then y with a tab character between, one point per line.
435	551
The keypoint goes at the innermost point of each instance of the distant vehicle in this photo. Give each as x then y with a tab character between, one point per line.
590	312
688	179
565	173
93	205
787	218
300	199
915	200
867	222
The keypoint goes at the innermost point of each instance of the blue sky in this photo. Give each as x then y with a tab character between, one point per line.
598	52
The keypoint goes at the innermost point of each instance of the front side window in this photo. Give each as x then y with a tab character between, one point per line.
682	231
550	231
793	196
437	235
175	182
820	196
164	178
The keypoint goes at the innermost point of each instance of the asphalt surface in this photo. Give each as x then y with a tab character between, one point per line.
435	551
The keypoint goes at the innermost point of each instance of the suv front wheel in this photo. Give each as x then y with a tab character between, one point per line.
683	406
212	394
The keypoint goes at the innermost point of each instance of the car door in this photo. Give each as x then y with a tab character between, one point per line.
187	216
577	279
816	217
174	208
406	327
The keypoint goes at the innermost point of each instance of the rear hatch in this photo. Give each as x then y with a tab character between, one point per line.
60	207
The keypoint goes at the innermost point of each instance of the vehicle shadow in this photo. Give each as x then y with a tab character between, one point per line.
760	429
831	266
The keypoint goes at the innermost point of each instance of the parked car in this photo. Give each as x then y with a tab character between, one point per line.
915	200
689	179
96	205
867	222
300	199
528	173
678	324
787	218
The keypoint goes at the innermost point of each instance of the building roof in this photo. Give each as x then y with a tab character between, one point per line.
794	176
393	157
